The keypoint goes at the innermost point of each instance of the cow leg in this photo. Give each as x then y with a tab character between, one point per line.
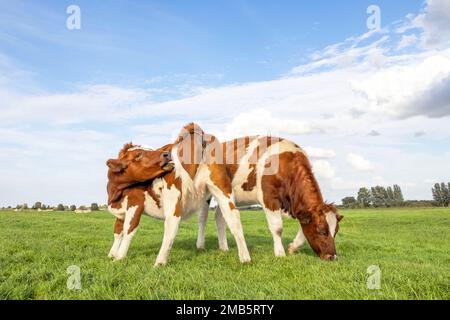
298	241
132	218
221	230
118	234
170	231
202	219
233	220
275	222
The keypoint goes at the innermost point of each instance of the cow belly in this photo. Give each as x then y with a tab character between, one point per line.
152	208
245	198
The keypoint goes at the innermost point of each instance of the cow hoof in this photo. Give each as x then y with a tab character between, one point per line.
224	249
280	254
245	260
118	258
159	264
291	249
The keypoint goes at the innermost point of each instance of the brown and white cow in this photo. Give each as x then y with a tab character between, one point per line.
276	174
174	196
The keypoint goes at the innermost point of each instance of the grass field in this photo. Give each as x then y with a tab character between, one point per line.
411	247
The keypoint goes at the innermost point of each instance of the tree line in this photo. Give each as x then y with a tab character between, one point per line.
376	197
380	196
39	206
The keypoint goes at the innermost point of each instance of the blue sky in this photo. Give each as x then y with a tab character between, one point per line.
371	107
133	41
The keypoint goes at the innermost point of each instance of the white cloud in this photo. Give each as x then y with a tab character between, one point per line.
359	162
407	41
323	169
264	123
319	153
435	22
421	88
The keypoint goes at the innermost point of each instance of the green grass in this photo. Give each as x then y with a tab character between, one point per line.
411	246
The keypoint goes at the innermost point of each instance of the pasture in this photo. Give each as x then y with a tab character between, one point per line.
410	246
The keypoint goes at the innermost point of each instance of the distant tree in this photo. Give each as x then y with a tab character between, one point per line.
364	197
37	205
94	207
398	195
349	202
82	207
25	206
73	207
390	196
445	194
438	195
60	207
378	196
441	194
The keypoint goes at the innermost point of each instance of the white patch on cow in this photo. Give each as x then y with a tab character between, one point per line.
170	197
116	245
244	197
187	184
332	222
150	206
298	241
144	148
170	231
275	222
119	212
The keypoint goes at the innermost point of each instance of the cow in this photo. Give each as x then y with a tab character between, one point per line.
276	174
174	196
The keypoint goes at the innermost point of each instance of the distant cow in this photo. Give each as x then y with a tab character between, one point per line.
172	197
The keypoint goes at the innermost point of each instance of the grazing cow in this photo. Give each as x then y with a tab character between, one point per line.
174	196
276	174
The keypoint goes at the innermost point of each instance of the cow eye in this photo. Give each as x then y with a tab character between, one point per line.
138	156
322	231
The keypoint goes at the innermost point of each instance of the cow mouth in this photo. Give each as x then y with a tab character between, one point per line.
168	166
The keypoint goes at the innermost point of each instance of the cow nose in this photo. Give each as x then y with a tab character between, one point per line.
330	257
166	156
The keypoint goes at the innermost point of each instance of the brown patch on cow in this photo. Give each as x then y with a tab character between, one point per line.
232	206
177	211
118	226
172	180
250	184
220	178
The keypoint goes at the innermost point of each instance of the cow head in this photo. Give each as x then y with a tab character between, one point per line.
135	164
320	227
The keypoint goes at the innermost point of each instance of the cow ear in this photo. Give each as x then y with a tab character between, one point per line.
115	165
305	218
339	217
